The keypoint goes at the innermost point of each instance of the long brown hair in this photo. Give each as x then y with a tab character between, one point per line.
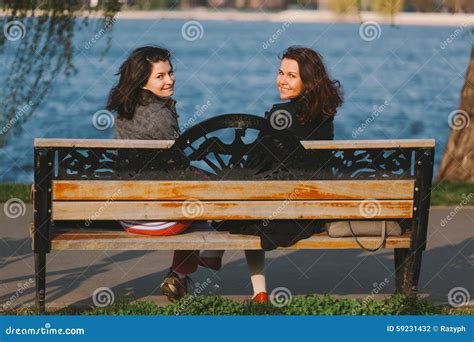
134	73
322	96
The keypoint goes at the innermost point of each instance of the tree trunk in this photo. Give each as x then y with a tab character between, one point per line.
457	163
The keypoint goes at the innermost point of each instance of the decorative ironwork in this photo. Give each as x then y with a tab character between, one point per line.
233	147
371	163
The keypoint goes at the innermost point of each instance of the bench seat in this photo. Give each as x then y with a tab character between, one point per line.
194	239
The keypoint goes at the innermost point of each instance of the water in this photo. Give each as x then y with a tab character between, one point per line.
232	69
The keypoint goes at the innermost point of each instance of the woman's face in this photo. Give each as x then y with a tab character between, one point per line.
289	81
161	80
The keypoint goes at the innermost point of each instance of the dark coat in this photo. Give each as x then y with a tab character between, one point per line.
319	129
284	233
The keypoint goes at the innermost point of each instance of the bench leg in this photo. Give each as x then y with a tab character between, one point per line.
407	270
40	279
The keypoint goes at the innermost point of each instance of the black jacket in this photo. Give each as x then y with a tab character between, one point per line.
284	233
318	129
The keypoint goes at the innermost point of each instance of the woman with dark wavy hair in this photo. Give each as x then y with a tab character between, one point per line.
146	110
142	97
313	96
313	99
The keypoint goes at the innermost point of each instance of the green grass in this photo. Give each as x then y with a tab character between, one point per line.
299	305
20	191
452	193
444	193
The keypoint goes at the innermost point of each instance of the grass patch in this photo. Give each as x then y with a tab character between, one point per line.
444	193
452	193
14	190
299	306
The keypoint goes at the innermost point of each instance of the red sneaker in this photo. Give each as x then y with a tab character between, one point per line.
260	298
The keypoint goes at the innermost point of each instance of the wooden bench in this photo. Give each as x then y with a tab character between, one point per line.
95	180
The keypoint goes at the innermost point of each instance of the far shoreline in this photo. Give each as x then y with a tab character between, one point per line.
463	20
303	16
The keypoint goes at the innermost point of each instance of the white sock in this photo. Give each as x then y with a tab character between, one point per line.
256	265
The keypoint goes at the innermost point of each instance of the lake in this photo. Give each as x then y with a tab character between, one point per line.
406	80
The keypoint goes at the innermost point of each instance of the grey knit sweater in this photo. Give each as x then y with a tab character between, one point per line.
155	118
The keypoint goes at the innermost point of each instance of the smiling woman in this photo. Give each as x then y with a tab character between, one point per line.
289	81
161	80
313	101
313	97
142	96
146	111
303	79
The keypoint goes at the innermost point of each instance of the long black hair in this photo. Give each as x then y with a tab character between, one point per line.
134	74
322	96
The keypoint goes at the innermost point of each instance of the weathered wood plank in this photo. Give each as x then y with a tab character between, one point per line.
231	210
320	144
361	144
120	240
103	143
231	190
